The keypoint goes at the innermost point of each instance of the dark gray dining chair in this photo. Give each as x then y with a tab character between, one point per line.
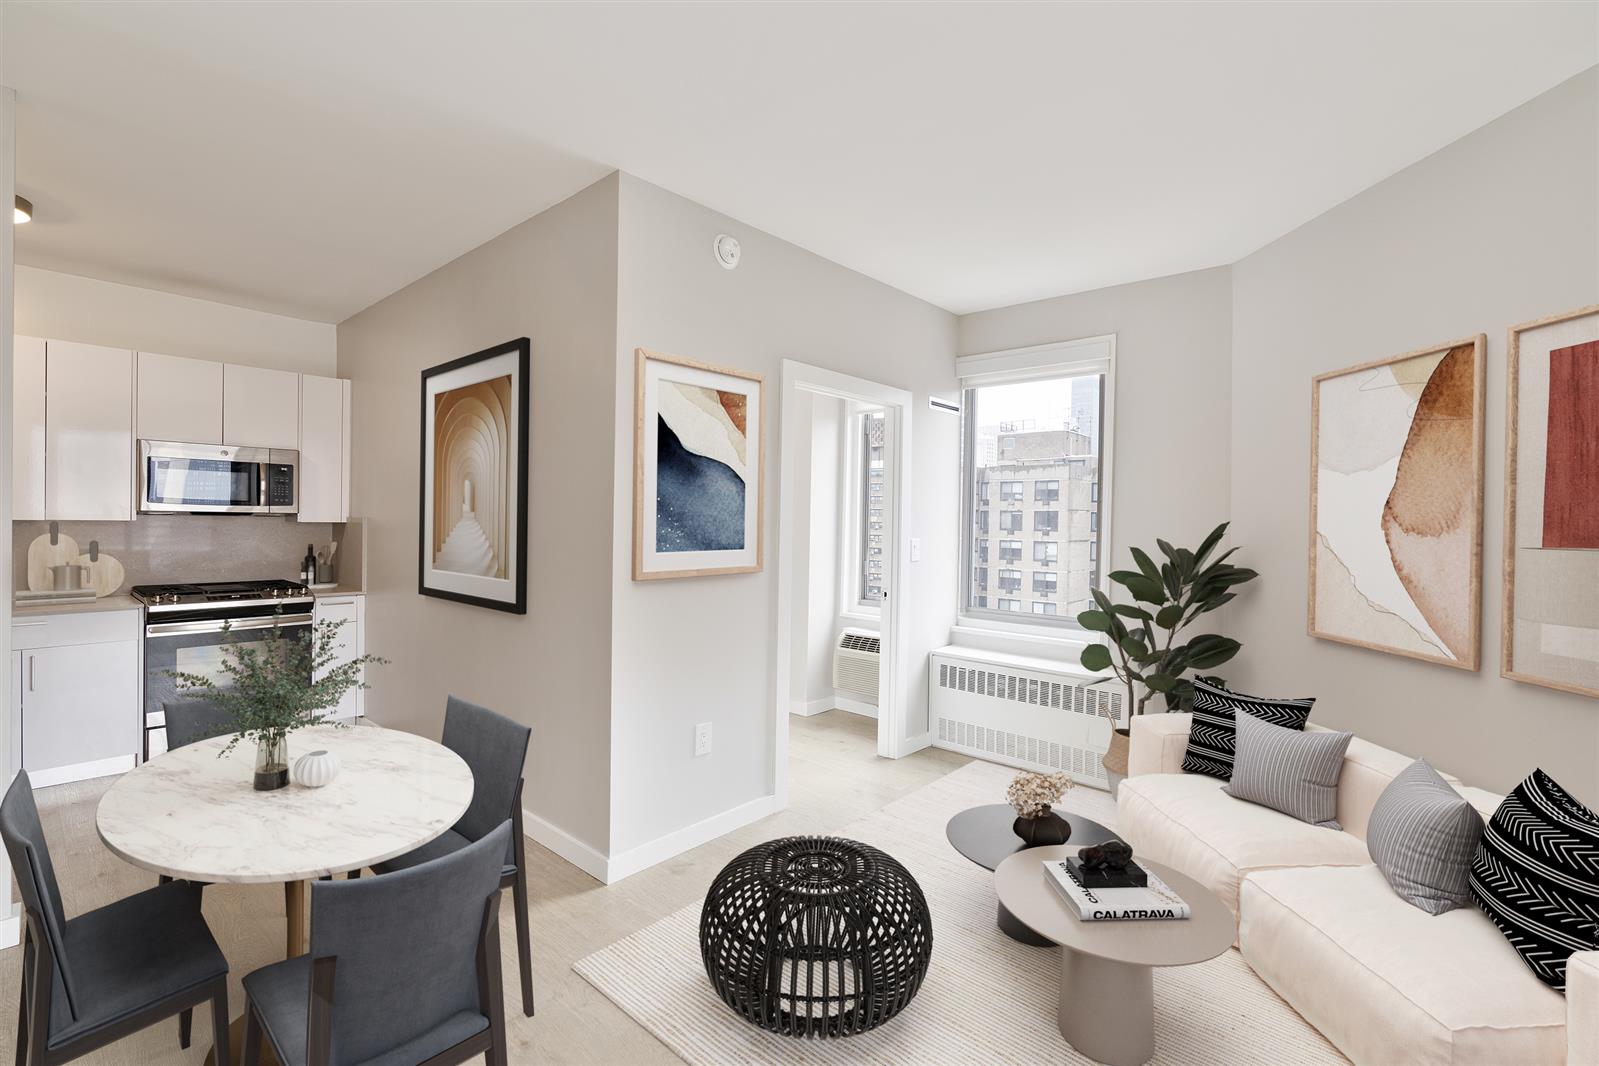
403	970
94	979
495	748
194	719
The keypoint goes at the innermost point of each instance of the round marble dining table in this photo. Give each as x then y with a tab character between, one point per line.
193	814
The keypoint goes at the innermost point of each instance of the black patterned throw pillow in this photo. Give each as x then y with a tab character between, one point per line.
1536	875
1212	738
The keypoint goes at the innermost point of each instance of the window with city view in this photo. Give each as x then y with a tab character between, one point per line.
871	473
1033	467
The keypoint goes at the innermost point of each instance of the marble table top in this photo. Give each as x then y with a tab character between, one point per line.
193	816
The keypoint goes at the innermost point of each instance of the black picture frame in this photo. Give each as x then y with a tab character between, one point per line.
521	348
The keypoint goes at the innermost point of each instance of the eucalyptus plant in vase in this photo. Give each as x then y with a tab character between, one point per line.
270	687
1140	639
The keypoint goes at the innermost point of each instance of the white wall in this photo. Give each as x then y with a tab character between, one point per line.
1173	358
703	649
823	557
552	279
72	308
1499	228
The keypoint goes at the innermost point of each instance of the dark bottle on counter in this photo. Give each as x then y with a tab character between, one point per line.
308	566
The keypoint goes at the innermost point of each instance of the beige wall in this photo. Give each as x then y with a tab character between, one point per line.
71	308
702	649
552	279
1498	228
1173	350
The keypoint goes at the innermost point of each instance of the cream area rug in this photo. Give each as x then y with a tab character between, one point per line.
986	999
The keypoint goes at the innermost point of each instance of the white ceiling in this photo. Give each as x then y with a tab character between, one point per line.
312	158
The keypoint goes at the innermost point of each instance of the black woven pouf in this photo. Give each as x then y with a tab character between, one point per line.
816	936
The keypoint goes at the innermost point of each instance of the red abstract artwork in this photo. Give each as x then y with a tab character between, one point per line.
1571	478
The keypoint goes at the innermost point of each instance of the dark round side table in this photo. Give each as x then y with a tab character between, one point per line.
983	835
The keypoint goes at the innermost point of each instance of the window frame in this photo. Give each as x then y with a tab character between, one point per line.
863	529
1075	358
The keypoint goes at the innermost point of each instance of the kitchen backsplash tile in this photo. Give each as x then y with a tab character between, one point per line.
163	548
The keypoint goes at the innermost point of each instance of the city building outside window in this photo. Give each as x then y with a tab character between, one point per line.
871	538
1033	453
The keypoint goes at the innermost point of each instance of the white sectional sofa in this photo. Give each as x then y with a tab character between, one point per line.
1386	982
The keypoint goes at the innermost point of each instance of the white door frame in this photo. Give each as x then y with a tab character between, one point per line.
893	686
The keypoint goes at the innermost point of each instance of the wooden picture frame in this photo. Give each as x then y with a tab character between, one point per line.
480	559
722	403
1346	601
1514	459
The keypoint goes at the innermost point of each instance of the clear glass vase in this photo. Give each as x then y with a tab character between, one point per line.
271	761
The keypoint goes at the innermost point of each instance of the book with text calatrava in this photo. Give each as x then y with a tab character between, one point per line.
1153	902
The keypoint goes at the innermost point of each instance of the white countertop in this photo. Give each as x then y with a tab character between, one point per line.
104	603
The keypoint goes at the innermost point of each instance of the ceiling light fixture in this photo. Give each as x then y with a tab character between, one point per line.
22	212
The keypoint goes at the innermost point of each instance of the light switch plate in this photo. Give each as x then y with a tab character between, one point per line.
702	739
916	549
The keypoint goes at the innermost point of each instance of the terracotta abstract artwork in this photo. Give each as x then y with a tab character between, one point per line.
1396	505
697	469
1551	599
474	479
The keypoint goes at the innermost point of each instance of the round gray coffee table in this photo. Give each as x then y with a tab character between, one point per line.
1107	988
984	835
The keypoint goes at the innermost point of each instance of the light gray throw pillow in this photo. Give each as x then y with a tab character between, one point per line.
1289	771
1422	835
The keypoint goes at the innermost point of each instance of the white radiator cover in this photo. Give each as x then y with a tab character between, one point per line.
857	657
1023	713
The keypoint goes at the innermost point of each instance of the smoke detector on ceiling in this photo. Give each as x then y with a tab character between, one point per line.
726	251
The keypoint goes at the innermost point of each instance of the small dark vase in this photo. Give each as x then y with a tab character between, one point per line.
1044	830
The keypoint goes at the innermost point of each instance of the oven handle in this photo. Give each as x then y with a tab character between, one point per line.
214	625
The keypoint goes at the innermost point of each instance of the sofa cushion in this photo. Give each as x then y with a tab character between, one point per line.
1289	770
1536	874
1388	983
1422	835
1187	822
1211	735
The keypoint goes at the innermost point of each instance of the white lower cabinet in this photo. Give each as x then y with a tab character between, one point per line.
349	644
75	695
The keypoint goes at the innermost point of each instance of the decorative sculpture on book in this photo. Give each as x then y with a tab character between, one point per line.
1111	855
1033	796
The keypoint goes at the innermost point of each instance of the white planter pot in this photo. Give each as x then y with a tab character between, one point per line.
315	769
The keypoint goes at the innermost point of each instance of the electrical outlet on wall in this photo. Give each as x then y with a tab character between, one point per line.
702	739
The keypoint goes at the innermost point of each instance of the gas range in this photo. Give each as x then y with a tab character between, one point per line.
268	594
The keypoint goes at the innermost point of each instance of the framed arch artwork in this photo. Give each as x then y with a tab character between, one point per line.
473	544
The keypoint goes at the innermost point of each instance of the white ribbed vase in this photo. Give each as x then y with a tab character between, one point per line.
315	769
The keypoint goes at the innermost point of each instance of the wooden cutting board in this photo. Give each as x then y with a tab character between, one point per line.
42	555
105	573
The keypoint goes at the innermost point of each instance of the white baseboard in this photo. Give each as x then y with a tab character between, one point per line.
692	836
565	845
915	744
855	706
83	771
11	927
805	710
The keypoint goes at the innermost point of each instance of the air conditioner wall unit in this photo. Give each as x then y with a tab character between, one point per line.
1023	712
857	657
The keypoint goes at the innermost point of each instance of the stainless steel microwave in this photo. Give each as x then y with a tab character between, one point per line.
217	479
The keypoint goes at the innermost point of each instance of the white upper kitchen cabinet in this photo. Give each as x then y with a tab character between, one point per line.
324	449
260	408
179	399
88	447
27	428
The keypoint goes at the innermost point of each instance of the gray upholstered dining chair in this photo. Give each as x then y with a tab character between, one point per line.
194	719
495	748
403	970
91	980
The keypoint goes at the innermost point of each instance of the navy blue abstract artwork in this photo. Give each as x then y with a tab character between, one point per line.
699	501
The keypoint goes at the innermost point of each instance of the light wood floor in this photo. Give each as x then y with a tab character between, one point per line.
835	777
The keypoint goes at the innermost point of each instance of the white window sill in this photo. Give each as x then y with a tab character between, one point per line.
1065	645
862	614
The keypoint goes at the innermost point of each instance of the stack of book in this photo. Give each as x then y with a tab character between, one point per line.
1153	900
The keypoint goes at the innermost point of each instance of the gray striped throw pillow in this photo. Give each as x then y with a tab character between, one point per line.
1289	771
1422	835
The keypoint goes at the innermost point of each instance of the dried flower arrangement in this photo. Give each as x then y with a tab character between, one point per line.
1033	794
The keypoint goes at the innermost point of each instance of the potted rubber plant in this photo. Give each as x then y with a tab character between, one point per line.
1140	644
267	689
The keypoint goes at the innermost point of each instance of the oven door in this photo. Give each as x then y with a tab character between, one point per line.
204	478
195	646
